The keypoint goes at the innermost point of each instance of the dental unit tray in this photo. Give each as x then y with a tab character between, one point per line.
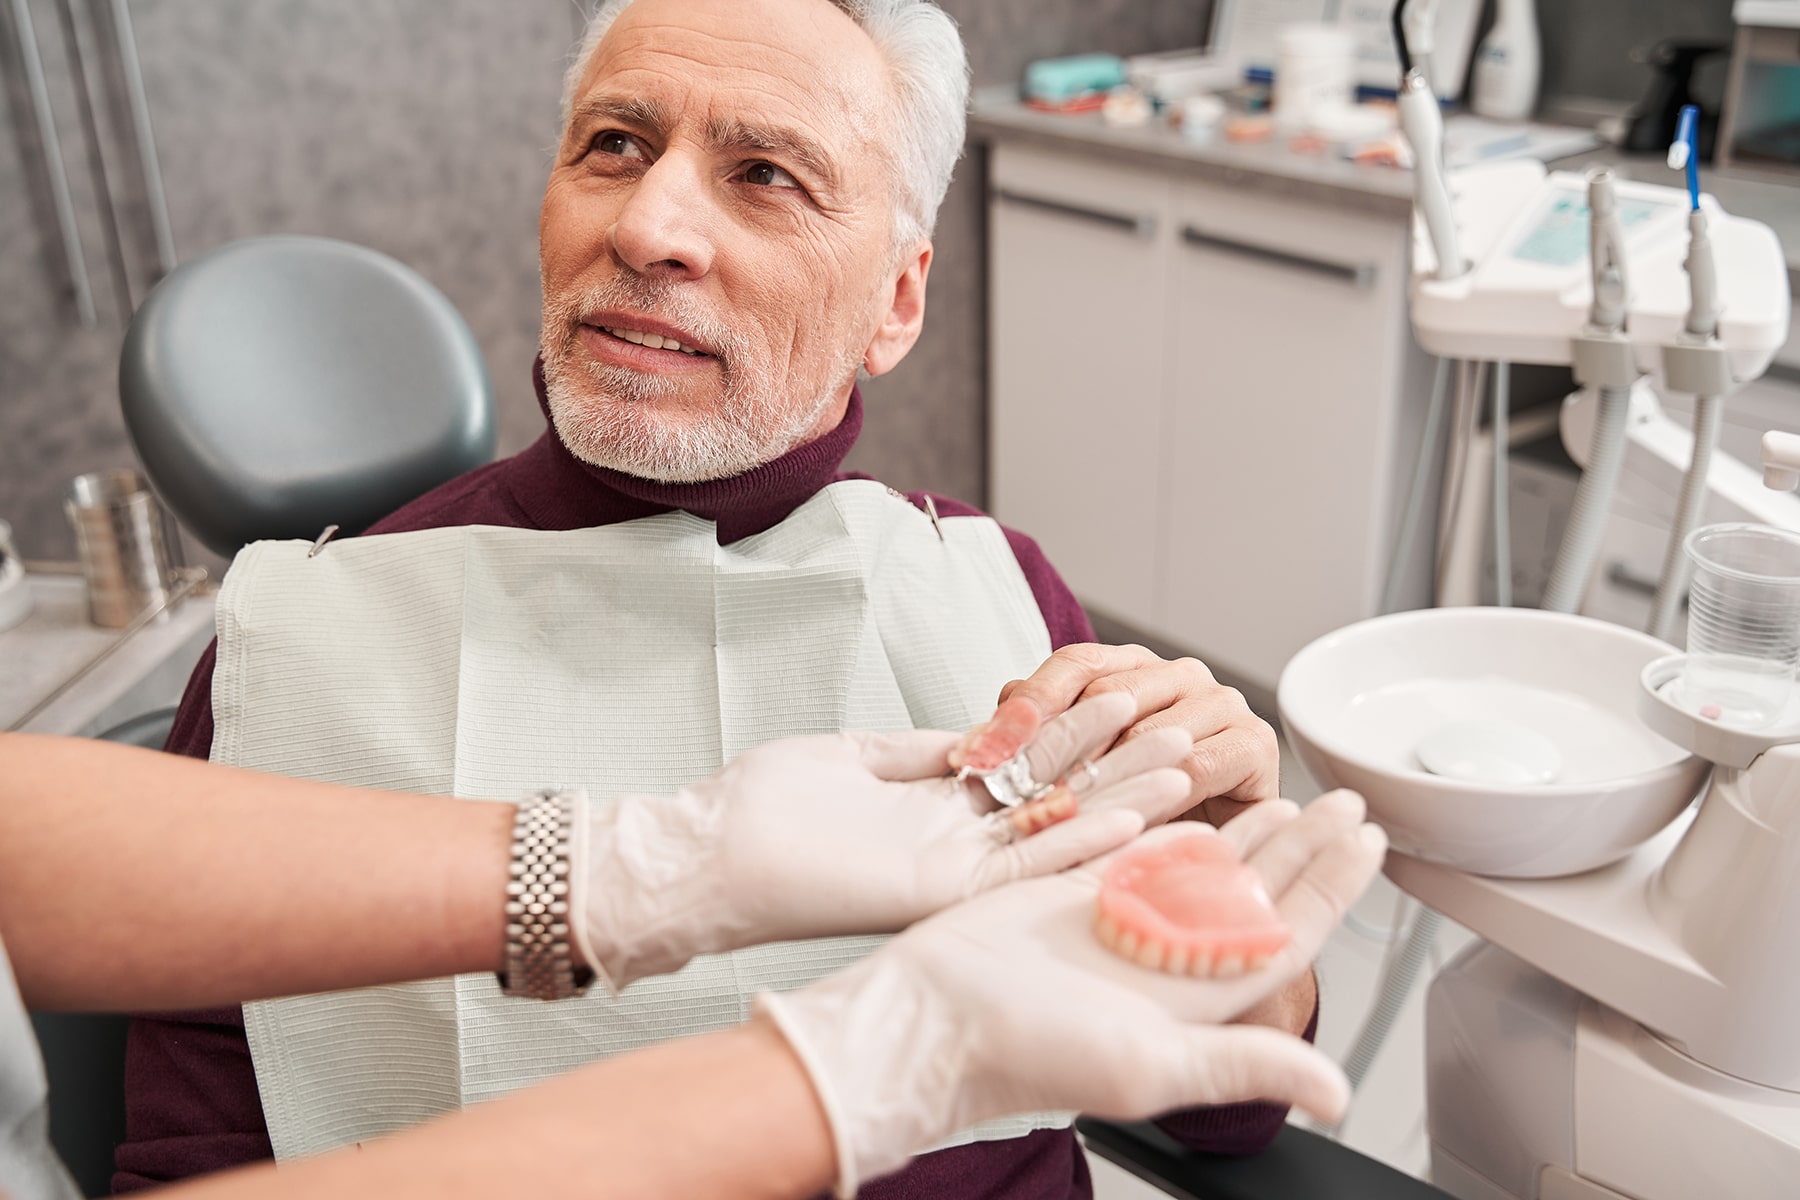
1527	292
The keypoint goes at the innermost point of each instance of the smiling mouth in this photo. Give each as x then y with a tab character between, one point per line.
650	341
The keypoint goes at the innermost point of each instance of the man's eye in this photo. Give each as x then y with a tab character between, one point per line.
764	174
621	144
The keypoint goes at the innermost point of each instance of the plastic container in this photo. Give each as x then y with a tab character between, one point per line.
1743	623
119	533
1315	73
15	589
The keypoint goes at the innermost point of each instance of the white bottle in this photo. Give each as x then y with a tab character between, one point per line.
1506	66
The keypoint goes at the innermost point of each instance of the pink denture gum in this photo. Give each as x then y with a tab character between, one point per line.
998	738
1188	906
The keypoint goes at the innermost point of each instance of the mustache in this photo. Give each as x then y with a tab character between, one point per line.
659	300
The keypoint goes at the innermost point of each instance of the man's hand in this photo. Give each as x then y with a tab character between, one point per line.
1235	761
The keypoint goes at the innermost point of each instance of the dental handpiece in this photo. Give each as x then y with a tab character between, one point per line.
1606	242
1423	123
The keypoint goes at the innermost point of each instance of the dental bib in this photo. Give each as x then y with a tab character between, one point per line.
486	662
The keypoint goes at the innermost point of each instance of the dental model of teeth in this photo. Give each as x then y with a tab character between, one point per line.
1188	906
654	341
990	744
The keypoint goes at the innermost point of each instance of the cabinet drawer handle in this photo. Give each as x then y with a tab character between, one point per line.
1142	226
1360	275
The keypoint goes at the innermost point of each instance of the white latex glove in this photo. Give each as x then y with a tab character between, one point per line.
842	834
1009	1004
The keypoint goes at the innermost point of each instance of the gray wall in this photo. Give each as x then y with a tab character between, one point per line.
429	139
1587	43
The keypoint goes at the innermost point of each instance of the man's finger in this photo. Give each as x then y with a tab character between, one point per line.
1060	679
902	757
1239	763
1085	729
1281	858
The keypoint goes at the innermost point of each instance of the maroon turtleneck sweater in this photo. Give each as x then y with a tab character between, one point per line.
192	1105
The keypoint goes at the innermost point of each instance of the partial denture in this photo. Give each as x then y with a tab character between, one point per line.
1188	906
1035	816
998	738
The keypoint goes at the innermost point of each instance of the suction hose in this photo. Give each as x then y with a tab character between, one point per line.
1709	411
1415	492
1593	497
1396	985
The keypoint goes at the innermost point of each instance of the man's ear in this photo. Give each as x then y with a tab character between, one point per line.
905	316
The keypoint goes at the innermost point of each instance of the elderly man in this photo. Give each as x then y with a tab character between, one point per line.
737	221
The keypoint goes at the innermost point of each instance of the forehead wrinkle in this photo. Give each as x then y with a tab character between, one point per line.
851	84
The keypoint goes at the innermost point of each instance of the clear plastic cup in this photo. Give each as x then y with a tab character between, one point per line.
1743	623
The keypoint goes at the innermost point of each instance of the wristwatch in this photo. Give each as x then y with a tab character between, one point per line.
540	963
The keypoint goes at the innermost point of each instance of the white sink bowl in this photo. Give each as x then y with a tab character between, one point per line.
1358	703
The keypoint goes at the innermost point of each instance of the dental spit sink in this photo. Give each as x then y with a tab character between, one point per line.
1502	741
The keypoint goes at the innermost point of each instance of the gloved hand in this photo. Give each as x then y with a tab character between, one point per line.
843	834
1009	1004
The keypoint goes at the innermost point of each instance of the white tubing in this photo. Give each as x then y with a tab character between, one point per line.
1580	547
1465	422
1396	984
1415	492
1709	411
1502	524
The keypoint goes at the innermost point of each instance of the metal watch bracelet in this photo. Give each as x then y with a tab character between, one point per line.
540	963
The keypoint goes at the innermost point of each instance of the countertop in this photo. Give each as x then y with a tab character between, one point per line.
53	643
999	115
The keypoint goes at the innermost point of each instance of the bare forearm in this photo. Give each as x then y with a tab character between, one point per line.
132	880
731	1114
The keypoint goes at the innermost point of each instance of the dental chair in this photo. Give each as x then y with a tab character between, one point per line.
1299	1165
278	385
272	387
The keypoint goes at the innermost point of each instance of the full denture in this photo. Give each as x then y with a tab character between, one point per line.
1188	906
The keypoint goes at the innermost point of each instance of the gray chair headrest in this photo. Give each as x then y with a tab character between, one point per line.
281	384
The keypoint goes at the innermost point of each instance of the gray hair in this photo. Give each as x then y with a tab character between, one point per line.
930	77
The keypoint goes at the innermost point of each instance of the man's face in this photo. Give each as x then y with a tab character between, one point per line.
723	184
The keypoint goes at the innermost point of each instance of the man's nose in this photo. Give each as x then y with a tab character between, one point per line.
662	227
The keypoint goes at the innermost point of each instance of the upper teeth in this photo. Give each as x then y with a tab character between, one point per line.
652	340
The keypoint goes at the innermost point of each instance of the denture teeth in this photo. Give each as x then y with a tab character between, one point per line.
1175	962
1127	945
1228	966
1106	930
1150	954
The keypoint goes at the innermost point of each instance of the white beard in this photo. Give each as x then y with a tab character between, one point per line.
608	415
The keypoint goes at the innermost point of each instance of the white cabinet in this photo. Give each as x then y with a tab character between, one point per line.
1079	329
1205	401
